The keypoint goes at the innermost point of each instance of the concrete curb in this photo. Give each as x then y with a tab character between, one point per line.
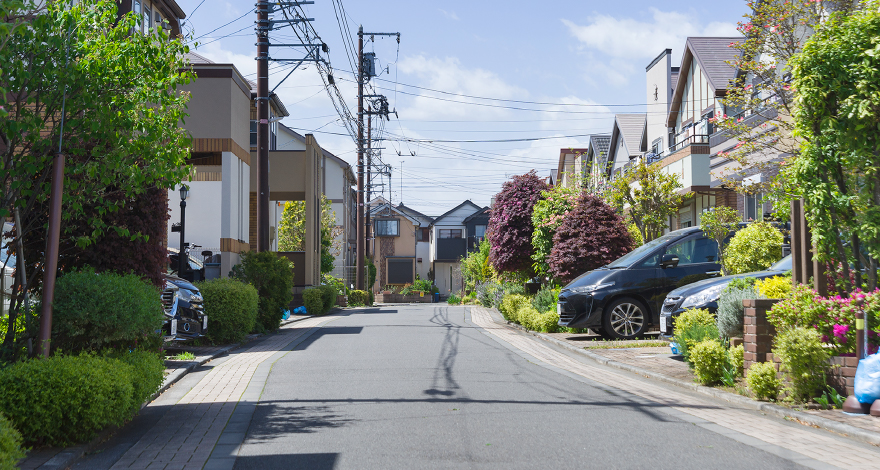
68	456
845	430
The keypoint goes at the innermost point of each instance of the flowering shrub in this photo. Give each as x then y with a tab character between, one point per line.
510	228
547	216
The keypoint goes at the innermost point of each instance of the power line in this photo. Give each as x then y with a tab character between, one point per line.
227	24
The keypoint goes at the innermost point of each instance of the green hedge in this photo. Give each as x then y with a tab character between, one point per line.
328	294
754	248
359	298
272	276
313	299
710	360
147	374
10	445
232	307
67	399
96	311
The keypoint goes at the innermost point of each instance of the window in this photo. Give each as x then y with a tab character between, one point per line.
657	146
480	231
387	228
450	233
754	207
694	250
423	235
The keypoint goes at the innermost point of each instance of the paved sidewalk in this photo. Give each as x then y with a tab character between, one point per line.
800	444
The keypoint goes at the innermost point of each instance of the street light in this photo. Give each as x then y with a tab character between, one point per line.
181	256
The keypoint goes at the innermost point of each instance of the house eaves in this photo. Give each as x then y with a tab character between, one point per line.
414	213
713	56
465	203
376	210
485	211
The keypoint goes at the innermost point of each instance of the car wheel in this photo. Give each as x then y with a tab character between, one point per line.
625	318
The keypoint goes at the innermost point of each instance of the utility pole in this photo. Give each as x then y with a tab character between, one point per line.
360	265
367	224
263	27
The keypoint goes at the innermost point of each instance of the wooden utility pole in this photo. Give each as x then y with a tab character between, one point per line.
263	27
360	265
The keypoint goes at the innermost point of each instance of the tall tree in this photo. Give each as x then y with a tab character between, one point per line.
510	227
648	195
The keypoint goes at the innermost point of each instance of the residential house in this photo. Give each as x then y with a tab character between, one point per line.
393	245
449	245
423	240
570	170
628	142
596	162
475	227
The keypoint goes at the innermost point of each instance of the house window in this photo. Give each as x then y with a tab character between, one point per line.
754	207
422	235
656	146
480	231
450	233
387	228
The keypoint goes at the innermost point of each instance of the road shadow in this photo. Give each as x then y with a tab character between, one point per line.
273	421
287	461
329	330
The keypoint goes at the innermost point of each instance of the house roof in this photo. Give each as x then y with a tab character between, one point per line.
560	169
375	211
713	56
197	58
631	128
600	143
414	212
465	203
484	211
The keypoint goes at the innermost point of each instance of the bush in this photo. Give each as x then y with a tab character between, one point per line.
486	293
694	316
741	283
709	359
510	227
359	298
736	359
423	285
694	326
328	295
95	311
67	399
272	276
548	322
232	308
313	299
804	360
336	282
754	248
729	317
545	300
529	318
776	287
511	304
10	445
147	374
453	300
762	381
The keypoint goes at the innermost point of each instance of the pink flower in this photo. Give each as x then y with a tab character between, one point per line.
840	332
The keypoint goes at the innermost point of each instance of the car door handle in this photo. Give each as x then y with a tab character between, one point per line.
713	273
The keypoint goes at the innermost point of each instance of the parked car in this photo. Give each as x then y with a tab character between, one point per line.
196	270
705	294
185	316
624	298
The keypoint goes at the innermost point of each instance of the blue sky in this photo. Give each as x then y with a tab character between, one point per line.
583	61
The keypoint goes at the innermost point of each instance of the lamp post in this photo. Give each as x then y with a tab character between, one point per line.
182	260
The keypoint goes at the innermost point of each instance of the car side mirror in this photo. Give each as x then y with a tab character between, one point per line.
668	261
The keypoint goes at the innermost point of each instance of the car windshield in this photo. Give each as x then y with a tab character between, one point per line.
782	265
632	257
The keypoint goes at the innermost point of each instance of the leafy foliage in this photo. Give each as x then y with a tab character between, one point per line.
650	201
292	231
97	311
313	300
453	300
717	224
272	276
545	300
512	304
754	248
510	227
776	287
694	326
804	360
66	399
736	359
359	298
709	359
328	296
592	236
147	374
232	307
10	445
475	268
547	216
762	380
730	314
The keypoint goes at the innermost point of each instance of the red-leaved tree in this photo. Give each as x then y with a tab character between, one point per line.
592	236
510	228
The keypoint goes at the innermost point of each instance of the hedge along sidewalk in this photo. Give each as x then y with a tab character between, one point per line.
847	430
58	459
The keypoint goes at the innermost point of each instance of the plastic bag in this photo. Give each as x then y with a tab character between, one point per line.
674	348
867	383
299	311
285	315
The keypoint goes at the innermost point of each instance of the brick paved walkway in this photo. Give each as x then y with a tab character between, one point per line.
815	445
187	434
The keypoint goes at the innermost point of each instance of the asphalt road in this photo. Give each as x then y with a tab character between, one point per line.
421	387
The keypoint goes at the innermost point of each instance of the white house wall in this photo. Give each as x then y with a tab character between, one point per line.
202	224
659	95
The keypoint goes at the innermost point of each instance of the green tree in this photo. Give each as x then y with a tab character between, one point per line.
292	231
475	267
717	224
648	195
837	77
547	215
117	95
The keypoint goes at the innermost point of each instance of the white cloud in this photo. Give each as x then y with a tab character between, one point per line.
629	38
449	14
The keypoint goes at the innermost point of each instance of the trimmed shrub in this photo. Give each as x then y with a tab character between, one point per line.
272	276
232	308
10	445
147	374
545	300
694	326
96	311
66	399
731	312
709	359
776	287
328	295
741	283
510	227
804	360
313	299
762	381
549	322
736	359
511	305
754	248
359	298
694	316
453	300
529	318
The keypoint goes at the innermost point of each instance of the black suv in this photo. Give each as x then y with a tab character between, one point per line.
622	299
